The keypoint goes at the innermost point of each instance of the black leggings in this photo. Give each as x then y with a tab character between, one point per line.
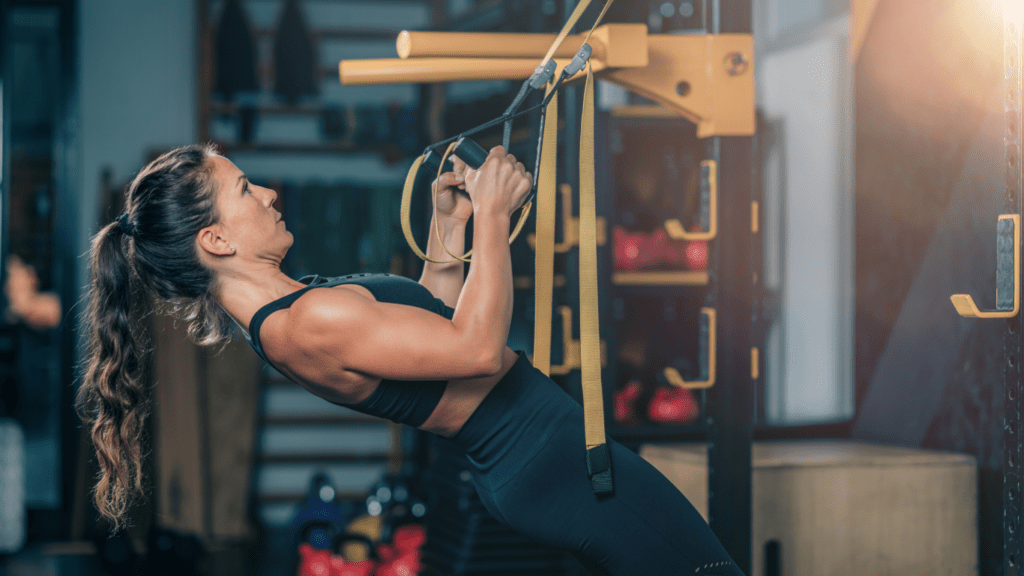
526	445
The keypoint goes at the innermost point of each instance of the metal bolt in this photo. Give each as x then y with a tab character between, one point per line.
736	63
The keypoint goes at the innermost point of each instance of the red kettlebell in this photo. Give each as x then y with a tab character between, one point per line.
313	561
671	405
625	404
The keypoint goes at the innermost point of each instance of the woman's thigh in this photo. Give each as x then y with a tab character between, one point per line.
646	527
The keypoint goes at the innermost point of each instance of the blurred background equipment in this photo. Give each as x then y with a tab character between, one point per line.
12	486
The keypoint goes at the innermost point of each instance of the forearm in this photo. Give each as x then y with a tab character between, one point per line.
445	281
485	305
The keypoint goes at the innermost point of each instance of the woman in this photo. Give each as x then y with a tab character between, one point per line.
431	354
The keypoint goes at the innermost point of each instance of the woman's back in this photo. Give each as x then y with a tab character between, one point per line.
406	402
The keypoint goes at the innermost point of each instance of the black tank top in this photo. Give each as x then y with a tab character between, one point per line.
405	402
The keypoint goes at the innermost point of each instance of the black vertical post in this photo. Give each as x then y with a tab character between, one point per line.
66	166
731	400
5	131
1013	552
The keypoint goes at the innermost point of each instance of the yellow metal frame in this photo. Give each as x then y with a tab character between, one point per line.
964	303
708	79
570	226
675	228
673	376
572	355
661	278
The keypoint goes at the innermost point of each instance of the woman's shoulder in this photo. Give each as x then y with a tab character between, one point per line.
327	304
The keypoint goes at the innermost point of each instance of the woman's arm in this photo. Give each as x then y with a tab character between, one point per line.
396	341
445	280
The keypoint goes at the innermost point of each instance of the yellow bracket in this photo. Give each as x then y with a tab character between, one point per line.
673	376
965	305
709	180
572	356
708	79
570	225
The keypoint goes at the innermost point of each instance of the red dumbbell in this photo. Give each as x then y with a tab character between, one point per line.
639	251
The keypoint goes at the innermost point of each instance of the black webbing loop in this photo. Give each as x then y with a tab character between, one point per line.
599	469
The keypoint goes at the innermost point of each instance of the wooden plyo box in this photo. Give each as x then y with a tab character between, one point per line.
843	508
205	407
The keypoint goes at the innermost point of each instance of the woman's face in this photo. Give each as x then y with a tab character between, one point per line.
248	221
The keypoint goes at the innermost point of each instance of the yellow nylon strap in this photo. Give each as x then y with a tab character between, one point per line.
410	178
590	336
544	267
568	26
406	214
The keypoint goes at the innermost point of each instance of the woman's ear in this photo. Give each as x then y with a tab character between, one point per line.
213	241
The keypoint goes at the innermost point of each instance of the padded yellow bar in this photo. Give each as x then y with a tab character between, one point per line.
673	376
627	43
708	79
965	305
417	70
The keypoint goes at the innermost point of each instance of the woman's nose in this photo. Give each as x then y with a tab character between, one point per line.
270	195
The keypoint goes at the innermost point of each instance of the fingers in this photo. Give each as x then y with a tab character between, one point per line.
460	166
449	179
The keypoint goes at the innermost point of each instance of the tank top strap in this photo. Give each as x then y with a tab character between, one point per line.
253	337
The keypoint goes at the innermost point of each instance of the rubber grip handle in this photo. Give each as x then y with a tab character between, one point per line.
470	152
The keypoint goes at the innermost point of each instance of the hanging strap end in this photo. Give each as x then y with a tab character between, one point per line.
599	469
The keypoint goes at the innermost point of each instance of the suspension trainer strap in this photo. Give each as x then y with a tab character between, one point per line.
598	455
599	465
544	263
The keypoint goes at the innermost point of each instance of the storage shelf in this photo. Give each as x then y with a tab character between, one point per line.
220	107
337	33
661	278
483	18
660	432
319	457
323	420
285	497
325	148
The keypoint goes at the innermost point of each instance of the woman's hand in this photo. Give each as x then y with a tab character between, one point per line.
500	185
452	204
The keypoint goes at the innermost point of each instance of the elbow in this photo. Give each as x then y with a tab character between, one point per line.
490	364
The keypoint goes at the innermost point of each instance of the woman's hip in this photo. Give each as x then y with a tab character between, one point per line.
516	419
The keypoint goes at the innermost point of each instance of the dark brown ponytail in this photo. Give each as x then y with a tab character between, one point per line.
153	258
